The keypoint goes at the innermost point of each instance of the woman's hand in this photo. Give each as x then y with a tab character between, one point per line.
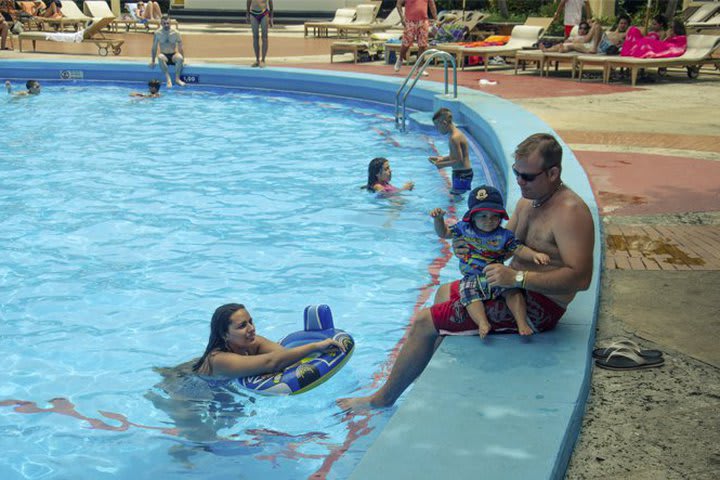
329	343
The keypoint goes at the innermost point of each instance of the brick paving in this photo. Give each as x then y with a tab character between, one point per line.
662	247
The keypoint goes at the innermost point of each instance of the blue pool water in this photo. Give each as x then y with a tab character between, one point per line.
124	223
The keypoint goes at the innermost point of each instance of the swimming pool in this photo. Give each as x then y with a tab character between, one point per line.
126	222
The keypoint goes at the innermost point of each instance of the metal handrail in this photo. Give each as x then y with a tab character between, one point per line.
420	65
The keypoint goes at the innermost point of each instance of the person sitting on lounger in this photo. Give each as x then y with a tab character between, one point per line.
658	28
650	46
33	88
53	10
151	11
610	42
582	42
171	51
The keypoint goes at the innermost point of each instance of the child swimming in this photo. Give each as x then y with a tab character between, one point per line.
379	176
153	90
488	243
33	88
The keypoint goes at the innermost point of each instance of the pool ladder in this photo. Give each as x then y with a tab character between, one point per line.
421	64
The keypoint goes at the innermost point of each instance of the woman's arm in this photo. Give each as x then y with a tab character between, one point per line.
229	364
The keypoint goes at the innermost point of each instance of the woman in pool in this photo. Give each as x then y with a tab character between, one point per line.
379	176
234	350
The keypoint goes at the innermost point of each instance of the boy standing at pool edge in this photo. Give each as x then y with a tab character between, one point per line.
488	243
459	156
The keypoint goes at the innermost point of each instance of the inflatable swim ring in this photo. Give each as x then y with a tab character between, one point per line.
312	370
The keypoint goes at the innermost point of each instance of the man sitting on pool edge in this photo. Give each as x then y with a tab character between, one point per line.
171	51
550	218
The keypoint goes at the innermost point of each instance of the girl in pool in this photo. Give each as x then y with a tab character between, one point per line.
379	176
234	350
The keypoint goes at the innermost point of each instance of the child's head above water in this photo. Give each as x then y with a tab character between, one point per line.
443	120
154	86
486	208
378	171
33	87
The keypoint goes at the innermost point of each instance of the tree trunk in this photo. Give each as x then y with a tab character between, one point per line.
502	6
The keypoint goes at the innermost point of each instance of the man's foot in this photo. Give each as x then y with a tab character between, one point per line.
168	83
262	64
255	64
524	329
179	82
424	73
398	64
484	328
356	404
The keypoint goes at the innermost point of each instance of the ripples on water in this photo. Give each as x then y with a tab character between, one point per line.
124	223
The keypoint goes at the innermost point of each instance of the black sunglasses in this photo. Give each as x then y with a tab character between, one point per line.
529	177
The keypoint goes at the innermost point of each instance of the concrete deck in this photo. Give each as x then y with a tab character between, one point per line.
652	155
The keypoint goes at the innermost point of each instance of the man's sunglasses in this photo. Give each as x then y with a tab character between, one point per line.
529	177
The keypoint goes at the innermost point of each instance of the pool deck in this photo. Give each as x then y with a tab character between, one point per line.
652	155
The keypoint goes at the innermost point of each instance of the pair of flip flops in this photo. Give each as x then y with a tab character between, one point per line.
627	355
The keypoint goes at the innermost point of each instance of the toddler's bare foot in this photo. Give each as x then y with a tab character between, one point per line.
524	329
483	329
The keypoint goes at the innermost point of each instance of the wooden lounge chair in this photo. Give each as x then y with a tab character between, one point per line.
546	59
388	23
522	36
356	47
699	52
71	16
343	16
365	19
91	34
131	21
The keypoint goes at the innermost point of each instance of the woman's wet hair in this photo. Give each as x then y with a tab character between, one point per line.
218	330
374	169
31	83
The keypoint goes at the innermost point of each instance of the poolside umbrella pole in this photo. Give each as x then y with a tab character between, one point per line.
647	15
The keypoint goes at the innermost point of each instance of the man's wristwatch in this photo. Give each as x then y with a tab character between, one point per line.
520	279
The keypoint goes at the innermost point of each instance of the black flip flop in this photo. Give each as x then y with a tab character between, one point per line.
602	353
624	359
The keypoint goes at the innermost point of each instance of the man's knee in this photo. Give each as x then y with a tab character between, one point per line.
424	325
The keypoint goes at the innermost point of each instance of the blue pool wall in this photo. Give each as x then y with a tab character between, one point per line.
509	408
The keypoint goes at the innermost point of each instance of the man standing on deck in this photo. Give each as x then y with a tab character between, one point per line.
415	26
550	218
171	51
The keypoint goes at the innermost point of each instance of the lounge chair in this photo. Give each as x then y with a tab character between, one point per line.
703	13
131	20
388	23
546	59
356	47
365	20
71	16
699	52
91	34
711	23
343	16
522	36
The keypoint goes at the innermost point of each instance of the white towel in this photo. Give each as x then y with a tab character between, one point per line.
76	37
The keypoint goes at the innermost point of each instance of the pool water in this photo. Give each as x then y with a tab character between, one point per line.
124	223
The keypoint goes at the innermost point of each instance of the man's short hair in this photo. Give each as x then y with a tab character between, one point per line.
624	16
545	145
443	113
165	16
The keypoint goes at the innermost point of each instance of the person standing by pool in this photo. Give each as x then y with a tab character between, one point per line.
550	218
235	350
572	10
169	42
260	16
459	156
415	26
